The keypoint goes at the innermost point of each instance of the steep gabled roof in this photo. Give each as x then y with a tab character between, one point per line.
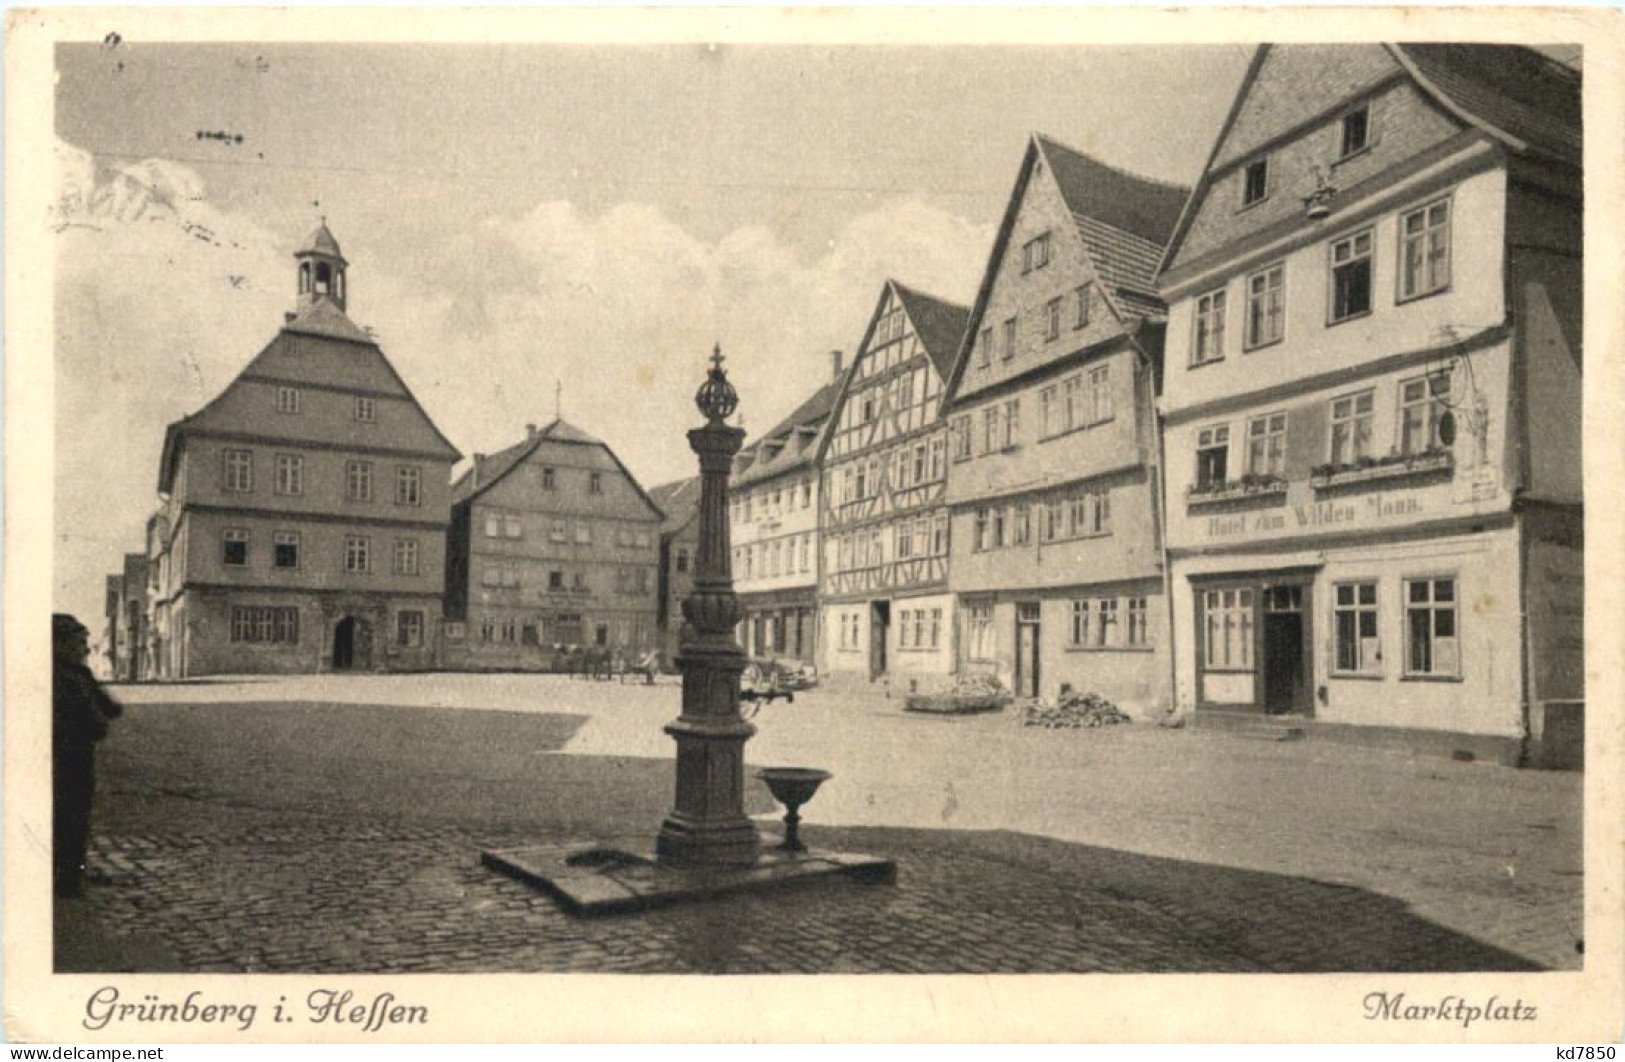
487	471
1515	95
680	501
1121	220
940	324
1521	97
793	441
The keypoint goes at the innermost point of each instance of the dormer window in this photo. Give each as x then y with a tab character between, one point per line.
1255	182
1356	132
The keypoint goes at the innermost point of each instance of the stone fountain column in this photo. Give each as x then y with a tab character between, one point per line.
707	827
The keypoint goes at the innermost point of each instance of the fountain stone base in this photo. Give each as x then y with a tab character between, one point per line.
624	874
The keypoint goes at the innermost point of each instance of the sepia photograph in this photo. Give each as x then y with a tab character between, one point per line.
807	502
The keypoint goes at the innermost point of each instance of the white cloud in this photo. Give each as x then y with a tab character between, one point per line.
162	298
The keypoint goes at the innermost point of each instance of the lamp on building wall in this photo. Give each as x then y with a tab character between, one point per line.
1470	411
1318	203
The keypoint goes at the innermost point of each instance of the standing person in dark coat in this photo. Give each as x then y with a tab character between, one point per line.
80	711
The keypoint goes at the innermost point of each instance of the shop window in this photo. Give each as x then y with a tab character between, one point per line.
1227	629
1354	620
1430	628
1351	276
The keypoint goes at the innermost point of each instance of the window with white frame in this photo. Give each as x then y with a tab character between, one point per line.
984	348
990	429
1010	429
1009	338
285	549
996	529
1431	638
1075	413
1422	402
979	631
1354	625
1266	306
939	534
1105	629
1051	529
935	466
1100	394
961	438
406	556
1351	276
1212	456
358	480
559	531
239	470
409	629
1351	427
1138	631
408	485
1266	445
267	625
290	474
234	548
287	399
1021	524
1078	632
357	553
1083	292
1049	412
1052	320
1208	344
1227	629
595	483
1424	250
366	409
979	539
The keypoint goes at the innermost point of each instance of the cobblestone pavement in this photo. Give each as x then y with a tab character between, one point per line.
399	898
284	826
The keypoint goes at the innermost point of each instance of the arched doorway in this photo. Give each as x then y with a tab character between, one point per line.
352	644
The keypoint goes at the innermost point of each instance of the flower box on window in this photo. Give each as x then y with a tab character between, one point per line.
1391	466
1251	487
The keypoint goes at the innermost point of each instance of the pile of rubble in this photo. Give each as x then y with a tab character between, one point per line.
981	693
1074	711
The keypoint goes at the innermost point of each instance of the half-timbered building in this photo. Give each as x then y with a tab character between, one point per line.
1053	471
883	590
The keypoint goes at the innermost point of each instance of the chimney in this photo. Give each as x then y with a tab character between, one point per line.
474	473
530	433
288	316
835	360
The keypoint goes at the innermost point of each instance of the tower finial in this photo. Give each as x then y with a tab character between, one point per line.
558	399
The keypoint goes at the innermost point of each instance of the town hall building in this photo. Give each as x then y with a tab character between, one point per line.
302	526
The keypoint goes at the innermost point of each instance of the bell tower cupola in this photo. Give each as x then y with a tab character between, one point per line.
321	269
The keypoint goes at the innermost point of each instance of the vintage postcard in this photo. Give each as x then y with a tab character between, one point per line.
812	525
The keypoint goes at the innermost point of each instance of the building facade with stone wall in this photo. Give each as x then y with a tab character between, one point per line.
554	551
1372	398
679	550
303	517
1053	486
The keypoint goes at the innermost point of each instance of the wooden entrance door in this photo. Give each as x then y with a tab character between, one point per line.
1027	642
1286	659
879	631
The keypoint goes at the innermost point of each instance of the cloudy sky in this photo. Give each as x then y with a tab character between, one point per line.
523	217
